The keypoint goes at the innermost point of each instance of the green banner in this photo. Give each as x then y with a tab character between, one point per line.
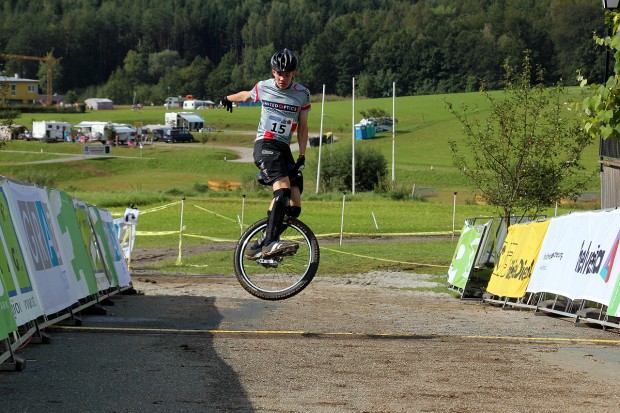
7	320
78	258
17	283
464	256
88	236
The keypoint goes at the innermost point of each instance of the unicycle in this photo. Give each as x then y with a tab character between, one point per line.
280	276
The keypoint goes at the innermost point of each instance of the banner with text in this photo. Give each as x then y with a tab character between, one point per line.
31	215
20	288
7	320
103	225
125	228
517	258
577	257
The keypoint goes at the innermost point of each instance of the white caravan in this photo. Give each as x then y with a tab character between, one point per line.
50	130
95	130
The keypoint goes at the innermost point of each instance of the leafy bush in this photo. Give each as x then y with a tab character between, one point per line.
201	188
174	192
370	169
374	113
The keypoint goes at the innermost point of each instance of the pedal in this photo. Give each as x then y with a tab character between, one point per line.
289	252
285	252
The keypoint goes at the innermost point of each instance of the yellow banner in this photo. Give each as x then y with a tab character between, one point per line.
512	273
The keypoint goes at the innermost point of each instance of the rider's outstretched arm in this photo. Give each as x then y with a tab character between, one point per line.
243	96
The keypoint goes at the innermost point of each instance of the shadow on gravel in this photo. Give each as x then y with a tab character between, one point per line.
146	354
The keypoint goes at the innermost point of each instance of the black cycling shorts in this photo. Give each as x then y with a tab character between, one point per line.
275	161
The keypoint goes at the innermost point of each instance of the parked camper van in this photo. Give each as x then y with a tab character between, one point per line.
95	131
195	104
184	120
173	102
50	131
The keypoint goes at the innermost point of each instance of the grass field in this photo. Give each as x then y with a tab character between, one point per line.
165	173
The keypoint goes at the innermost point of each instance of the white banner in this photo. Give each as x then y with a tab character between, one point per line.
125	228
103	224
577	256
30	212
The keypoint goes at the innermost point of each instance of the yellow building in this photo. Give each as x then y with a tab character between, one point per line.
17	90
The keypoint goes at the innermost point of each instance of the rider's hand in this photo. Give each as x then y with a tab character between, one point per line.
301	162
227	104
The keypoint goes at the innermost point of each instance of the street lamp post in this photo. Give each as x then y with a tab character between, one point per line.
609	5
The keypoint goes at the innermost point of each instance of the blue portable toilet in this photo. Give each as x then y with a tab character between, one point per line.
360	132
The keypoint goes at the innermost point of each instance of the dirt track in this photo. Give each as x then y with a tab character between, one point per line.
365	343
362	343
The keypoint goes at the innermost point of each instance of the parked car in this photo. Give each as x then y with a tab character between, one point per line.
178	135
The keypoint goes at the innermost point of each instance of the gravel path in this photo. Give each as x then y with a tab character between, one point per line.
358	343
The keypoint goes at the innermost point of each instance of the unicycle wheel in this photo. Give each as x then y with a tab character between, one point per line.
282	275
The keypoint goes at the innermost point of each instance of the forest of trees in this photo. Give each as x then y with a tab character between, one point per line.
145	50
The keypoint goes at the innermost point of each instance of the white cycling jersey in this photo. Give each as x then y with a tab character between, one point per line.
280	109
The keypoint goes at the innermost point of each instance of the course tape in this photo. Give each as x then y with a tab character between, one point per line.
155	233
159	208
148	211
388	234
210	238
330	334
215	213
385	259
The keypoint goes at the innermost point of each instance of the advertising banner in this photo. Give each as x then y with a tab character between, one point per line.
88	236
77	262
465	255
17	282
577	258
7	320
103	225
517	258
125	228
31	216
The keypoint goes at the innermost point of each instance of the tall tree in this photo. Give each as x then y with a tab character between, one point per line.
526	154
431	46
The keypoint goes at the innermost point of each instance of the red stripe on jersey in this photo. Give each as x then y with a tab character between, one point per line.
294	128
269	135
306	107
256	99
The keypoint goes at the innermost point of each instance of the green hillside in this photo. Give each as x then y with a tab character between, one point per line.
422	154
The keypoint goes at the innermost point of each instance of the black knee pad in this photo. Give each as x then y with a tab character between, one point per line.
282	196
276	216
294	211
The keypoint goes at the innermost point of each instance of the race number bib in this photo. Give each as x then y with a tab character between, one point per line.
280	125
